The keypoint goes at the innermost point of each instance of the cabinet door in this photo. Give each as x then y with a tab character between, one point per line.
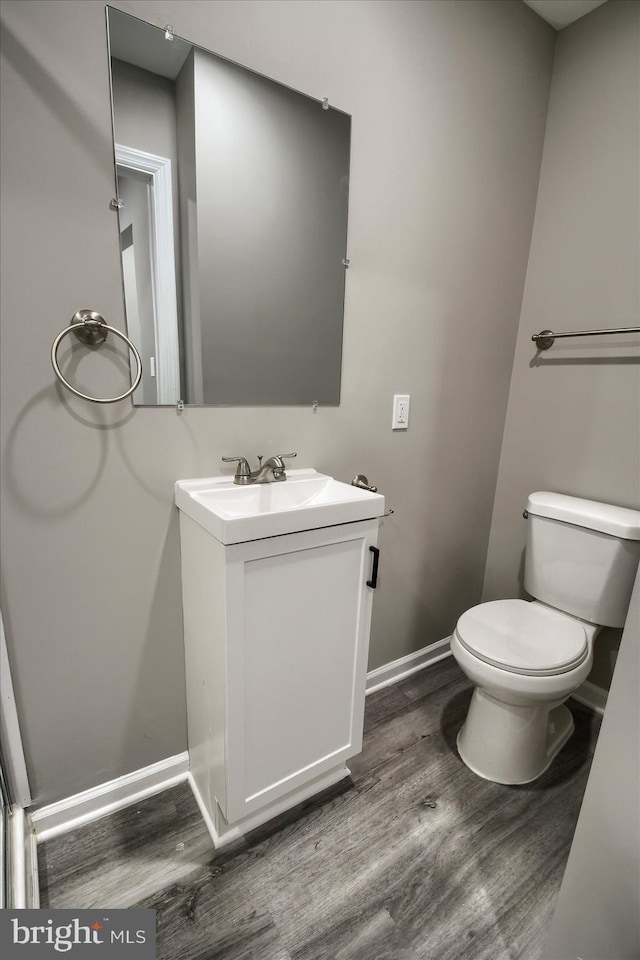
299	613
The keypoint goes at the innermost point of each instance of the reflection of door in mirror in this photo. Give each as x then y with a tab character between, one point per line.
135	250
148	267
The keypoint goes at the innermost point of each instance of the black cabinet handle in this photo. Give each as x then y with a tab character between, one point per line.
374	571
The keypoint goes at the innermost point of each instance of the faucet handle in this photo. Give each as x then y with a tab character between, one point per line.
243	471
286	456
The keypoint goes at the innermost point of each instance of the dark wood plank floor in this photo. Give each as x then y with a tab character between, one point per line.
415	858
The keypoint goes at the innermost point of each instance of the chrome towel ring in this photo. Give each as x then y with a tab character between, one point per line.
89	327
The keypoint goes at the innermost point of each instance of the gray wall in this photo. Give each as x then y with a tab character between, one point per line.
272	170
145	111
597	915
449	103
573	420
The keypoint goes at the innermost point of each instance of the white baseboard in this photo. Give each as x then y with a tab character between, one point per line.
247	824
589	694
592	696
100	801
72	812
82	808
399	669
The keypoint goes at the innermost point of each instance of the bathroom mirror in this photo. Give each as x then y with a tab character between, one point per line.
232	192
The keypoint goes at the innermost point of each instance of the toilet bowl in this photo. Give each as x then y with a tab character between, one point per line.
525	658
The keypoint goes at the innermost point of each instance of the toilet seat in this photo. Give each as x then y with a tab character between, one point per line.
523	637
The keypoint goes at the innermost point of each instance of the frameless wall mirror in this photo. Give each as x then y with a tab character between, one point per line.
232	193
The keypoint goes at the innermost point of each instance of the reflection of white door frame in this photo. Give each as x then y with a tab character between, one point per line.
163	267
134	325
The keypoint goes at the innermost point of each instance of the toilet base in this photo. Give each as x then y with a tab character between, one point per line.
512	744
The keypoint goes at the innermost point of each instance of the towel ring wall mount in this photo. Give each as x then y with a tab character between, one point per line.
91	328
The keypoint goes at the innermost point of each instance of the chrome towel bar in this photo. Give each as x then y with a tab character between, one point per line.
89	327
545	338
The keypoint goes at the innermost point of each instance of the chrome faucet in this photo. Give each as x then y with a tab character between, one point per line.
271	471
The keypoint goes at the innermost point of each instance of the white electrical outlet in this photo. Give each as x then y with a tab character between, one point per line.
400	411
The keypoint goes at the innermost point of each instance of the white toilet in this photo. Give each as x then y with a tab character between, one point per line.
526	657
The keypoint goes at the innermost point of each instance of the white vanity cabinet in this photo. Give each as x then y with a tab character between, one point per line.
276	641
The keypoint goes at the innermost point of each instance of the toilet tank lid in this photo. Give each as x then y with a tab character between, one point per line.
615	521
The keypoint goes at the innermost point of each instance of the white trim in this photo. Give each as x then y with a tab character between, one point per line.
589	694
399	669
208	822
12	754
108	797
237	830
592	696
164	267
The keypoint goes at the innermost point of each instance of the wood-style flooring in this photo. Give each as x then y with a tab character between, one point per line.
414	858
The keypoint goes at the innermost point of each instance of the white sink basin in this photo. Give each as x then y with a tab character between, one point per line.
306	500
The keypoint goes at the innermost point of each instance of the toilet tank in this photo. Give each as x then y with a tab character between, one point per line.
582	556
